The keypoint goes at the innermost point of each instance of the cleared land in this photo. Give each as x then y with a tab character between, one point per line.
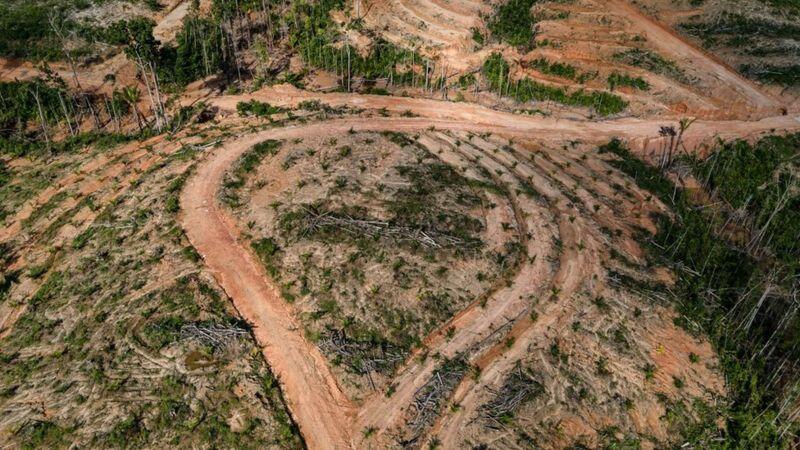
397	224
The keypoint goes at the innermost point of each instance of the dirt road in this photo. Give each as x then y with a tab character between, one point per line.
642	134
325	415
321	409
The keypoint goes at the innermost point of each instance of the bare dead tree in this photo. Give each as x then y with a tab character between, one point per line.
42	117
213	334
362	357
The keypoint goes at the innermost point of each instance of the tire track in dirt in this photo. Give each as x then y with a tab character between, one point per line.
476	325
573	266
590	276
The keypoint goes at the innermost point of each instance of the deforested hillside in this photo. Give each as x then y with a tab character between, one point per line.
371	224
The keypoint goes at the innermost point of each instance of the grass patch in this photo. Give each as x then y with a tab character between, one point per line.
496	71
561	70
618	79
257	109
513	23
652	62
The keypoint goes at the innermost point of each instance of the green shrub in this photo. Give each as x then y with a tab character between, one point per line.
43	434
20	106
267	250
618	79
514	24
477	36
496	70
555	68
250	160
652	62
26	33
257	109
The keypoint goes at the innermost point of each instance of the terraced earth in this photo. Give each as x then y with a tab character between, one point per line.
581	280
326	250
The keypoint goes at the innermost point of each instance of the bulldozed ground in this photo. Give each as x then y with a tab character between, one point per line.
321	249
574	309
376	242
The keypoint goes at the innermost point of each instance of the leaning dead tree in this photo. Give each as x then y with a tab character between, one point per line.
431	239
520	387
213	334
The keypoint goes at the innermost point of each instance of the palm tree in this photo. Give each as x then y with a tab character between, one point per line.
131	96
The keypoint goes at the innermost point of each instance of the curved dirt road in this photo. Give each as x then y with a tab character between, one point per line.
325	415
642	134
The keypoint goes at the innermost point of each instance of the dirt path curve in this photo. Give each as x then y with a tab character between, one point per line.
642	134
325	415
671	43
321	409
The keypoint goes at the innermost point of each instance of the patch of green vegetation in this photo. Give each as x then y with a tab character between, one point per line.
652	62
316	37
466	80
246	164
198	52
723	292
513	23
26	33
618	79
768	73
6	174
24	102
267	250
251	159
477	36
761	179
736	24
257	109
17	147
496	71
28	111
44	434
557	69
